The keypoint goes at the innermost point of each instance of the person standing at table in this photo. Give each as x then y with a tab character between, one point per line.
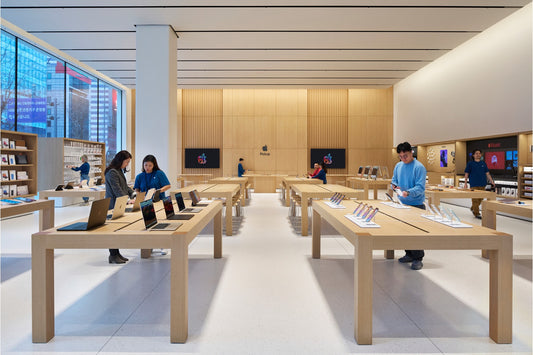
321	175
151	177
478	173
240	169
84	169
117	186
409	181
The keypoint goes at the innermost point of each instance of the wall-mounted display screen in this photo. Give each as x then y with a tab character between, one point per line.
444	158
332	158
202	158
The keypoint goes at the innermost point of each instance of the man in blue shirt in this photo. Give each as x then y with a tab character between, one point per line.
240	169
409	181
478	172
84	169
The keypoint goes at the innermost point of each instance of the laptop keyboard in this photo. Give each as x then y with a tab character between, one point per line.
161	226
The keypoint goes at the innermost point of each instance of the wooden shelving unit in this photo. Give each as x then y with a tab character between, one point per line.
67	151
30	142
526	185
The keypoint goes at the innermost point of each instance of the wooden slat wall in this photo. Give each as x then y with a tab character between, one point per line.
202	123
288	122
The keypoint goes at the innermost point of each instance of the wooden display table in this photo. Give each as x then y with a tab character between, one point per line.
367	183
225	191
96	193
490	207
45	208
130	236
264	183
420	233
434	195
337	179
288	181
234	180
194	178
307	191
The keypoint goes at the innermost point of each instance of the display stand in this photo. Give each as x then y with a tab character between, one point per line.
19	169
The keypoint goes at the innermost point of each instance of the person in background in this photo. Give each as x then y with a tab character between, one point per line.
321	173
240	169
317	170
84	169
478	173
409	181
116	186
151	177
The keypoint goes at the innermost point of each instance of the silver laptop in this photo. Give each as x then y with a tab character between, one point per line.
97	217
120	207
137	204
150	219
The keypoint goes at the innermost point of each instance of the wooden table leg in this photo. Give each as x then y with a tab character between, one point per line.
317	219
305	217
179	275
366	191
217	235
47	216
229	221
375	192
363	290
287	195
388	254
501	292
488	219
42	291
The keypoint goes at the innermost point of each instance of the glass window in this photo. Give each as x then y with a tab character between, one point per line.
40	87
109	109
82	105
7	66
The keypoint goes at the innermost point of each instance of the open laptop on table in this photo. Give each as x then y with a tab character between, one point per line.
150	219
137	204
196	199
169	210
120	207
181	204
97	217
153	195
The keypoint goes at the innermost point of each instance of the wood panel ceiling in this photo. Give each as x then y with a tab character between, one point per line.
271	43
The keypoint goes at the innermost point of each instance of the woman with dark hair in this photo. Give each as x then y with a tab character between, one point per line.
321	173
117	186
151	177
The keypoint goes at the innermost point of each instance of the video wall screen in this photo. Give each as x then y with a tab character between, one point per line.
202	158
332	158
500	155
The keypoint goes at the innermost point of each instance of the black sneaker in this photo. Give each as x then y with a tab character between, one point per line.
417	265
478	216
405	259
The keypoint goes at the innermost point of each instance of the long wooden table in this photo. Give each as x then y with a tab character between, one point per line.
420	233
264	183
288	181
121	235
434	195
45	208
367	183
225	191
490	207
96	193
194	178
308	191
234	180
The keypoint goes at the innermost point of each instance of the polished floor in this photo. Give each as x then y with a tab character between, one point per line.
265	296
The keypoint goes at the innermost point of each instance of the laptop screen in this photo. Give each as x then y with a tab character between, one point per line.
194	197
98	214
169	209
179	201
148	211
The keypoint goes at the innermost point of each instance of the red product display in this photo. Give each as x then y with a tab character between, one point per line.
495	160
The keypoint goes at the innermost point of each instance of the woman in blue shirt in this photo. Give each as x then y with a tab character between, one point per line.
151	177
84	169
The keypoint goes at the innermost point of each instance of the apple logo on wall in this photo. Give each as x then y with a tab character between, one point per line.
264	150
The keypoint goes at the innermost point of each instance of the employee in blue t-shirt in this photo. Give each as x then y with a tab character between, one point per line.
240	168
478	173
409	181
84	169
151	177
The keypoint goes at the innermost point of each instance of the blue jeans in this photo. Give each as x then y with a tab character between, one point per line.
84	177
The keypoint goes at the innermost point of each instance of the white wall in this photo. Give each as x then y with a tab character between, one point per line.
481	88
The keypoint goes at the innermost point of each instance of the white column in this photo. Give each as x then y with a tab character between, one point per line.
156	128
